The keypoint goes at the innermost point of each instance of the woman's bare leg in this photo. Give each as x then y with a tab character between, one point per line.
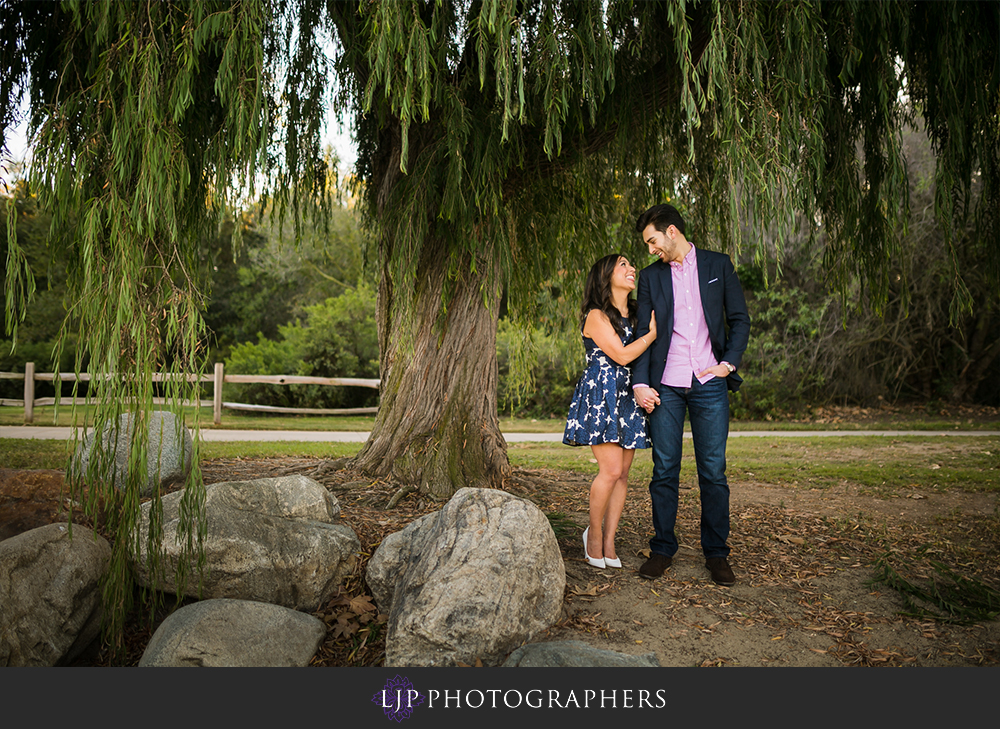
616	504
610	468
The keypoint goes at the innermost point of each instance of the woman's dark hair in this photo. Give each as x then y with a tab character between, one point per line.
597	294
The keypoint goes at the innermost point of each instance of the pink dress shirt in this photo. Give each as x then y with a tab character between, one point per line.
690	347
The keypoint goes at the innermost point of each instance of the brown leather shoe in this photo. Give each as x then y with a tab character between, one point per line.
722	573
655	566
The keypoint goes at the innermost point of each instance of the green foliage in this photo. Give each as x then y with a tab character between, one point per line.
341	339
946	597
784	367
266	357
38	333
272	275
336	339
553	363
810	346
242	298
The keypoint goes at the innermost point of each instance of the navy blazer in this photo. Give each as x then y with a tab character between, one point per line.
725	309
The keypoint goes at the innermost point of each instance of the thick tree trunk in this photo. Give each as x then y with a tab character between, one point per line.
437	426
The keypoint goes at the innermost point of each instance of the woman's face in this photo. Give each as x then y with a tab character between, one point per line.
623	275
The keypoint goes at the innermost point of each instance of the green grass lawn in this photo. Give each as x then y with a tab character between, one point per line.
232	420
876	463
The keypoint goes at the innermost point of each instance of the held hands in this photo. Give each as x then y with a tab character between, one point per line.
647	398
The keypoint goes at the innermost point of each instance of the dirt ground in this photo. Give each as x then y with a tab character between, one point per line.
804	559
804	595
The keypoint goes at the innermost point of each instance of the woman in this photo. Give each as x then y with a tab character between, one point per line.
603	413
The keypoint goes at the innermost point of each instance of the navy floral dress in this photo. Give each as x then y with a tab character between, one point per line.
603	409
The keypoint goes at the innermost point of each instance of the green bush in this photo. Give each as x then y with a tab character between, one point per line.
553	362
785	364
266	357
338	338
39	352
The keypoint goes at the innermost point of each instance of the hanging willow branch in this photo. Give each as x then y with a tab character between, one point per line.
150	117
947	597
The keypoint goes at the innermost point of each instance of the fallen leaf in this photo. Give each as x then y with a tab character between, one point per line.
362	604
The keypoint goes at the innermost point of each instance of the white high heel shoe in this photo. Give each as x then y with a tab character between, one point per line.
599	563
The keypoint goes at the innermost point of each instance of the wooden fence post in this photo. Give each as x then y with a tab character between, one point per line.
29	392
217	395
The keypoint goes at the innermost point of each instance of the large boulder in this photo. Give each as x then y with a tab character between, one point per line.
272	540
50	599
472	581
235	634
169	451
575	654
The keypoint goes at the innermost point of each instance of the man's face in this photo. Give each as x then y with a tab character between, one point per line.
662	245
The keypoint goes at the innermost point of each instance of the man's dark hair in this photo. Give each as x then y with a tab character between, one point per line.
661	217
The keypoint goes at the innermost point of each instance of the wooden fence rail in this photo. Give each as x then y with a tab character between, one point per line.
217	379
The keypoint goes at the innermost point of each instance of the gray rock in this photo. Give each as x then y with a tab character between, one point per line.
169	451
472	581
390	559
271	540
50	600
235	634
575	654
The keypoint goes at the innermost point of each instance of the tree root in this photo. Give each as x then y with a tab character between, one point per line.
398	496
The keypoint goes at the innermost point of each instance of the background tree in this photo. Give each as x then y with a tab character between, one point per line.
271	277
39	334
814	346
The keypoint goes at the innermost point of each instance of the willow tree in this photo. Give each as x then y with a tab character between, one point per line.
148	121
498	141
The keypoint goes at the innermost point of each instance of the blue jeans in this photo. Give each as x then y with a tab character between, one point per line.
708	408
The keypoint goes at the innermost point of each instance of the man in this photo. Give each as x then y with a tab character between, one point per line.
703	325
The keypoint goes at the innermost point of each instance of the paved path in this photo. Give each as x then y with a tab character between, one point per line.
54	433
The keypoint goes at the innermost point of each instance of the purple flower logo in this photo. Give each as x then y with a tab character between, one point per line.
398	698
